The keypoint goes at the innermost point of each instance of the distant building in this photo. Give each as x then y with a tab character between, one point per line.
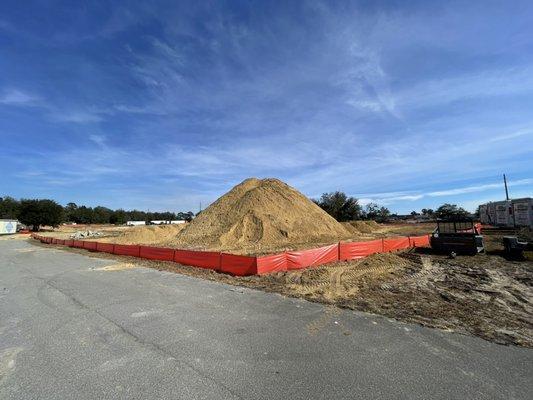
135	223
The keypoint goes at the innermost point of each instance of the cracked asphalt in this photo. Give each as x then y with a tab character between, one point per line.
72	329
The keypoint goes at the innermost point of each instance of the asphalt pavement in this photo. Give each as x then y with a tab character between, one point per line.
77	327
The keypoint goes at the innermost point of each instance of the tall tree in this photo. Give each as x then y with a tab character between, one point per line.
9	207
376	212
448	211
40	212
340	206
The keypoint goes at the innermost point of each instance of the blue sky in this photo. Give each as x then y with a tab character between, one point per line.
166	105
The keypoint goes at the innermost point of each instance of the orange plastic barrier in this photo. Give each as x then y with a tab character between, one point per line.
313	257
126	250
244	265
202	259
156	253
105	247
272	263
355	250
395	244
238	265
419	241
89	245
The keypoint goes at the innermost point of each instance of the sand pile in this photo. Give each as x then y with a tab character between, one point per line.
358	227
342	279
159	235
261	215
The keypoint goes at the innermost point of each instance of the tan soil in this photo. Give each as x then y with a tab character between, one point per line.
156	235
260	215
116	267
485	295
358	227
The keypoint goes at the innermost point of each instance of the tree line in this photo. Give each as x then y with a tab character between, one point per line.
345	208
39	212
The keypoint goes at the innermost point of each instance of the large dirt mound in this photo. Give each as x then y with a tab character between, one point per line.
261	215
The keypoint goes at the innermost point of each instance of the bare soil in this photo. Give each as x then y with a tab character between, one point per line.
485	295
156	235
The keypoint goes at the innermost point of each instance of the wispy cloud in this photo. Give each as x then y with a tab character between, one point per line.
470	86
18	98
513	135
392	198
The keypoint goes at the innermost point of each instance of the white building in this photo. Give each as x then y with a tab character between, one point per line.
508	213
135	223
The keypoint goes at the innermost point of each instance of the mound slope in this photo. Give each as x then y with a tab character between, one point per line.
260	215
150	235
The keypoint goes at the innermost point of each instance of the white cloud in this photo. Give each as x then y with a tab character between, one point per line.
18	98
490	83
98	139
76	116
511	135
392	198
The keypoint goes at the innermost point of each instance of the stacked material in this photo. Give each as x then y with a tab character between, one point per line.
85	234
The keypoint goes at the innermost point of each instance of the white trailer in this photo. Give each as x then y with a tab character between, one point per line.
503	213
135	223
508	213
523	212
8	226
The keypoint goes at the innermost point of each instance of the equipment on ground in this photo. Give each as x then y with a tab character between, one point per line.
514	247
456	237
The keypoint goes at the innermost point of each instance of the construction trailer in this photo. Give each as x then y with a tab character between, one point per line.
8	226
135	223
508	213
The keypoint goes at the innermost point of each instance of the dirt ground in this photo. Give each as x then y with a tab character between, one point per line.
485	295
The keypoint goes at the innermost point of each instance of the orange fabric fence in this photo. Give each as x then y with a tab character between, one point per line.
271	263
313	257
156	253
238	265
127	250
246	265
354	250
202	259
